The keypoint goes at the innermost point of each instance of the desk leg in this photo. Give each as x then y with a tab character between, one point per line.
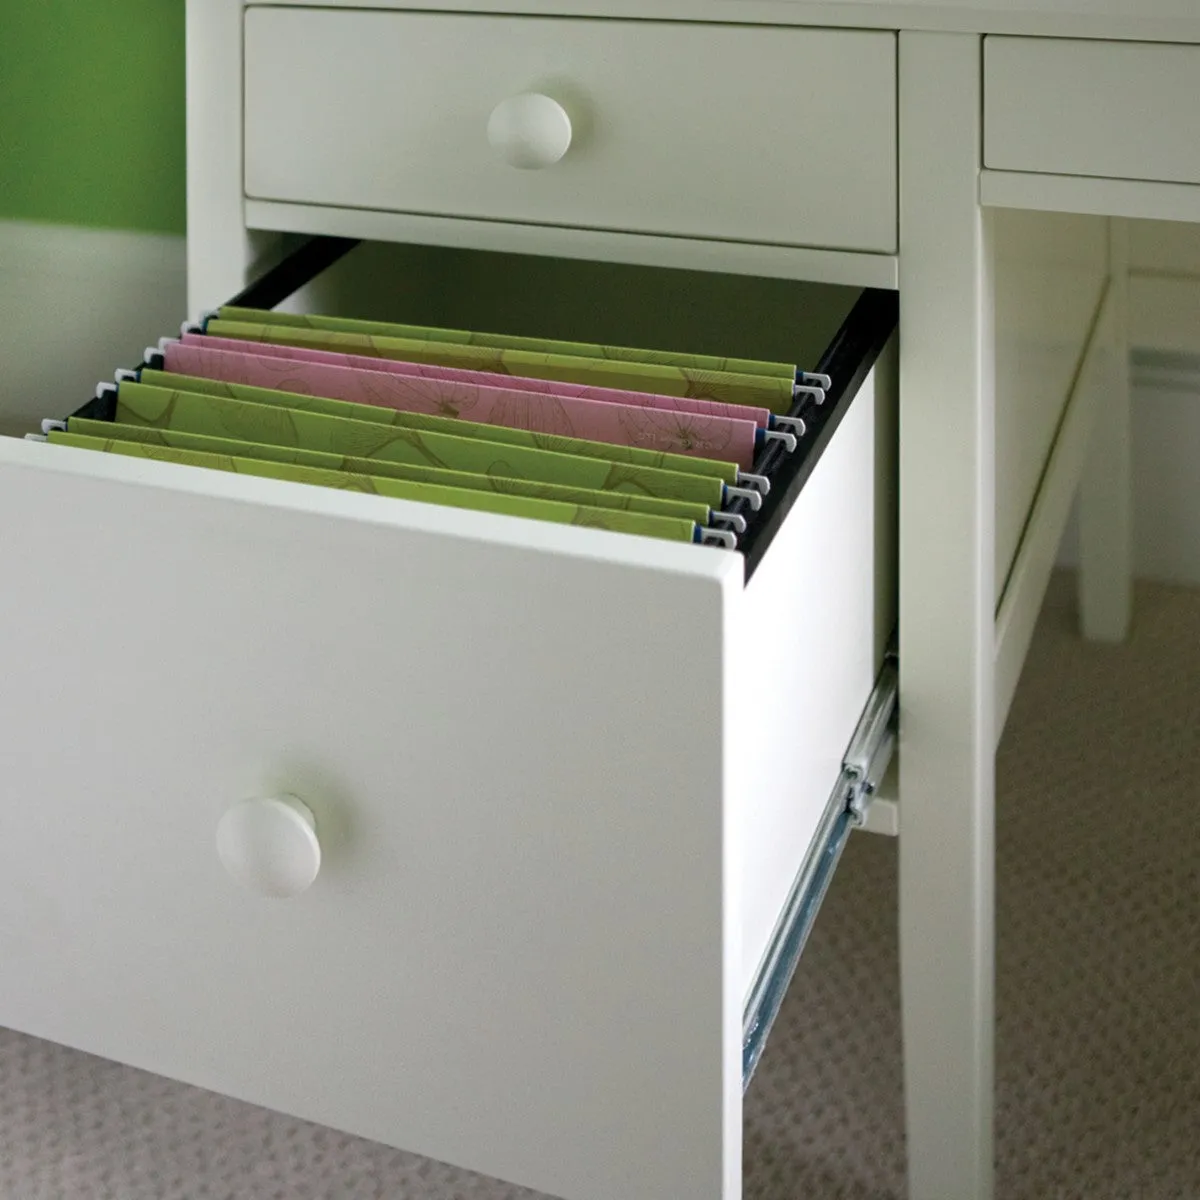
1106	491
947	604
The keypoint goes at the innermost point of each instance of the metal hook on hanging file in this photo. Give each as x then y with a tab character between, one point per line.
735	521
778	435
798	425
125	375
760	483
816	379
809	389
718	537
753	498
50	426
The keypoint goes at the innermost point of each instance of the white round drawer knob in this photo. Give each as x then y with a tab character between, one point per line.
270	845
530	130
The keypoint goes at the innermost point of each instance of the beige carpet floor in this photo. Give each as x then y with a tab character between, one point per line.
1098	1001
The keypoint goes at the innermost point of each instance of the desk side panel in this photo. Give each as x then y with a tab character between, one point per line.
1050	275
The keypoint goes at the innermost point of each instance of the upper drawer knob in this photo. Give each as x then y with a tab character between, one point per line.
530	130
270	845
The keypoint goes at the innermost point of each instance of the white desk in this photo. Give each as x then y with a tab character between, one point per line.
970	155
973	564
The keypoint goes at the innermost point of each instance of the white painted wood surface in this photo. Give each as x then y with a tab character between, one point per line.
1106	490
1051	270
1109	109
1086	409
1081	194
814	265
521	952
947	590
823	601
690	130
222	253
1151	20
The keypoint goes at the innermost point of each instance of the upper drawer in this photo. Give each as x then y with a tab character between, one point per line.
1116	109
783	136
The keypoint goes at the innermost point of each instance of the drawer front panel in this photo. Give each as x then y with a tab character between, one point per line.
514	757
1110	109
783	136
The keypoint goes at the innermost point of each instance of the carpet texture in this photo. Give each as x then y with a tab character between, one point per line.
1098	1002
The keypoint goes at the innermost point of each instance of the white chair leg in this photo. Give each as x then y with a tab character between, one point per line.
1106	490
947	606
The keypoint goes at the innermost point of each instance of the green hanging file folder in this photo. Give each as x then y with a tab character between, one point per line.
775	393
111	431
220	416
670	528
504	341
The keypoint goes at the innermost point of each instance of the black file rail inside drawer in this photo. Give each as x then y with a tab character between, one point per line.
847	361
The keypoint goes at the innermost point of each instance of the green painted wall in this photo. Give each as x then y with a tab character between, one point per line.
92	113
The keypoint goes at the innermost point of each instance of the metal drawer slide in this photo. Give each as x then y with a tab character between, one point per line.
863	768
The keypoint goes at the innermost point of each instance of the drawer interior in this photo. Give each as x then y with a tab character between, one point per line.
615	303
834	332
824	328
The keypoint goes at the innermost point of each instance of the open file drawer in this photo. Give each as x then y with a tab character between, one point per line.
563	781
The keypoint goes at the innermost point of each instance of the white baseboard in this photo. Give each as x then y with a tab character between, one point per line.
75	304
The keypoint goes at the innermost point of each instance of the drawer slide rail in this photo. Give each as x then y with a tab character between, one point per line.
863	768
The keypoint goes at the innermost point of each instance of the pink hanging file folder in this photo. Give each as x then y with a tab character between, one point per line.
550	387
696	434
